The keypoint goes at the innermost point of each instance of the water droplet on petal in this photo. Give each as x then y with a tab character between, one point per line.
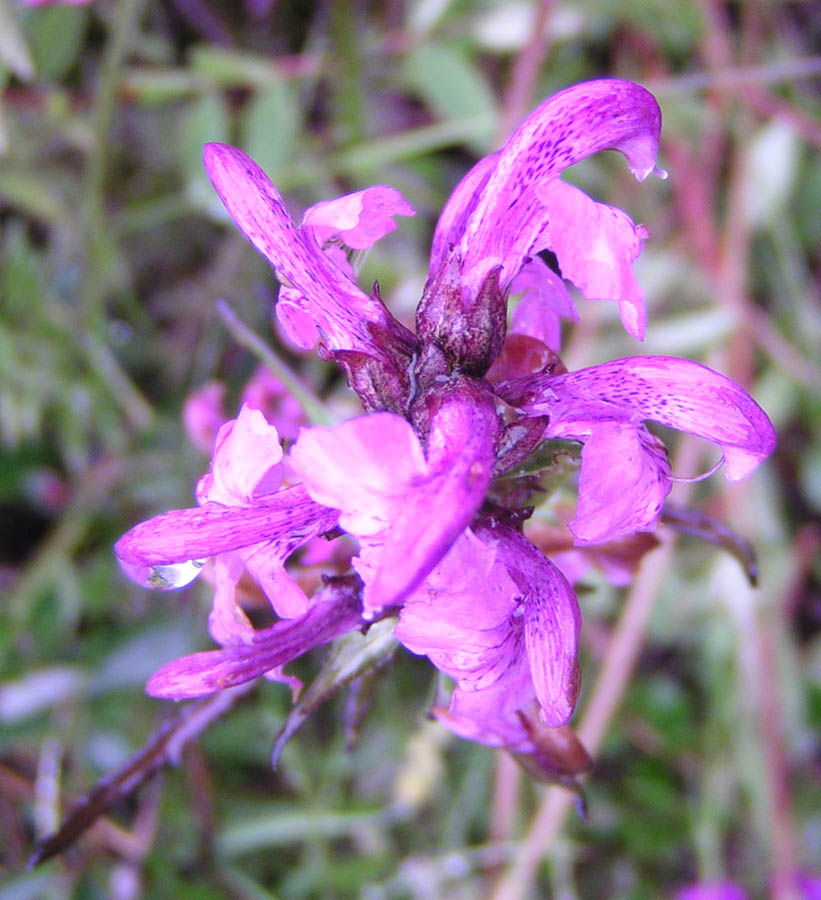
175	575
164	577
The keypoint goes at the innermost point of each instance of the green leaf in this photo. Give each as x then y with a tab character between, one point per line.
14	51
204	120
351	656
231	68
56	37
271	126
453	88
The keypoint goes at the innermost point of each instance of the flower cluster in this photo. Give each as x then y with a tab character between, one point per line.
449	408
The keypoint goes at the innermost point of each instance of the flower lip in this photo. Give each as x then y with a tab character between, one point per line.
512	205
337	306
183	535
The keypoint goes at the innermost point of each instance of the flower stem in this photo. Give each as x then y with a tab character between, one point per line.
243	335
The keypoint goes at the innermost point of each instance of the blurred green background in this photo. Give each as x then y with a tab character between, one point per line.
113	252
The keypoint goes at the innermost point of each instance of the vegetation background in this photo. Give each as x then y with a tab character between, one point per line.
701	695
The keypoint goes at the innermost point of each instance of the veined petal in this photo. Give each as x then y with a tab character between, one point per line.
552	622
359	220
624	480
184	535
464	617
500	731
451	223
546	300
596	246
675	392
362	467
407	510
335	610
504	223
246	450
334	303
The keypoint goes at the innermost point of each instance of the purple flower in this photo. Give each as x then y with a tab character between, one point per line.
712	890
413	480
625	475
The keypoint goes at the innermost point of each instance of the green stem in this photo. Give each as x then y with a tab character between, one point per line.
126	15
92	324
242	334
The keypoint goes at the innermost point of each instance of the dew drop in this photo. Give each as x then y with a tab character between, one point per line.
164	577
174	575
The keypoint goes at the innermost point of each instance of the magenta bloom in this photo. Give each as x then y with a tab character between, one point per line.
713	890
412	480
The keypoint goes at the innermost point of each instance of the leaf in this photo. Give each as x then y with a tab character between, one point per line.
14	51
454	88
56	36
351	656
271	126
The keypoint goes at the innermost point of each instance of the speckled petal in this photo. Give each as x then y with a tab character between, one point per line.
184	535
335	611
334	303
505	221
674	392
451	223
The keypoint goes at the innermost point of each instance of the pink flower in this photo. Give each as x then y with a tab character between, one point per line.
413	479
715	890
625	475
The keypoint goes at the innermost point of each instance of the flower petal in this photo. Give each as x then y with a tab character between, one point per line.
460	204
266	393
545	301
334	303
178	537
624	480
674	392
266	564
435	511
464	619
506	732
596	246
203	415
504	223
406	511
552	622
227	622
335	610
246	449
362	467
358	220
